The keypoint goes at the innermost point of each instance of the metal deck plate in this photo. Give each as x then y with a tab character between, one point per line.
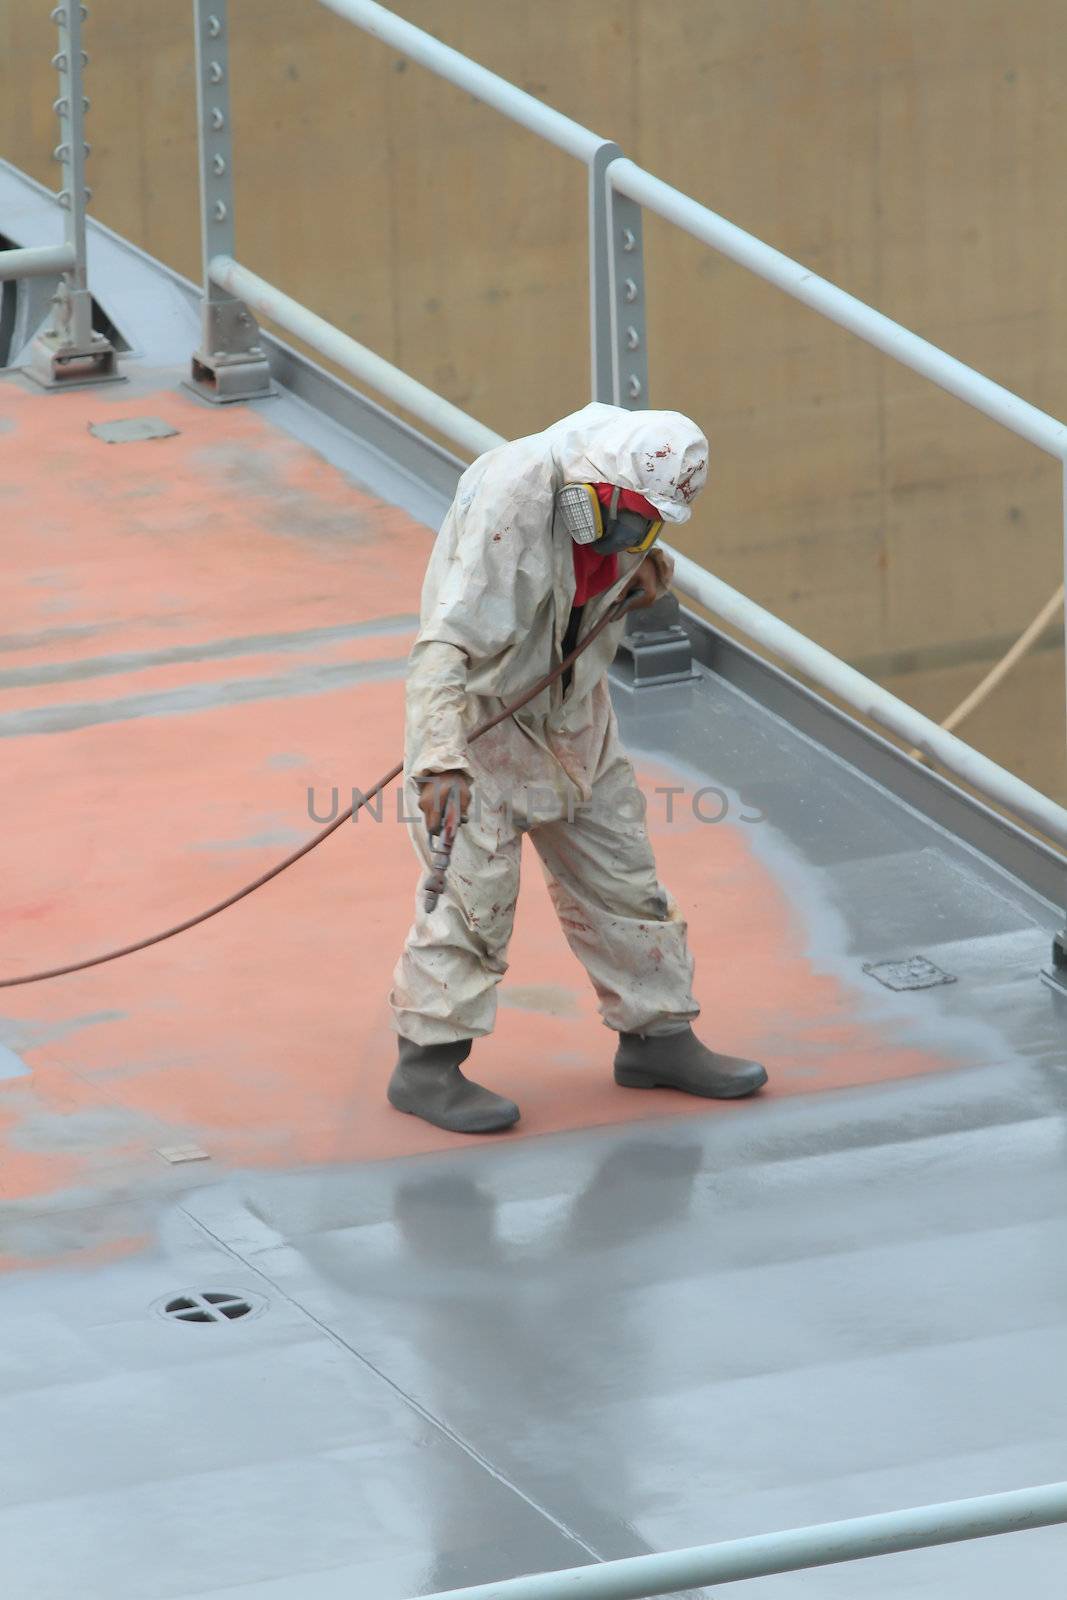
914	972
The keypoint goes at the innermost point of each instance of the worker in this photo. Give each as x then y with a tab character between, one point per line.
543	536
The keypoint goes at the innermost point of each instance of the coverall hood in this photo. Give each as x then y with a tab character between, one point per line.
659	454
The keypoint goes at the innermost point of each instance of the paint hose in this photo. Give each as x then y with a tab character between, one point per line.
614	613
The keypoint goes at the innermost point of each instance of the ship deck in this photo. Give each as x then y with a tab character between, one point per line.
636	1321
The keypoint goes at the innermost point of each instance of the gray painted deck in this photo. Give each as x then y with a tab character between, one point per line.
599	1343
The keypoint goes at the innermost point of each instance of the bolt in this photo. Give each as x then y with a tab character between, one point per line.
633	339
634	386
59	60
629	242
219	211
64	199
218	165
61	106
629	291
217	119
214	27
214	72
60	152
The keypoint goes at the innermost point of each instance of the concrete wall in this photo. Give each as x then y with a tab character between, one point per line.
909	151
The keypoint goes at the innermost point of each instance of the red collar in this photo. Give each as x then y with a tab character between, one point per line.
593	573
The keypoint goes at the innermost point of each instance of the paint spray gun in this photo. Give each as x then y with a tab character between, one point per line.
441	847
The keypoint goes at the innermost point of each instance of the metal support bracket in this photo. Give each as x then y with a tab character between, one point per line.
69	353
230	364
61	358
1055	975
655	648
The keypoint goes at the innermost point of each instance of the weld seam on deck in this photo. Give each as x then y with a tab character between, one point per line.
469	1450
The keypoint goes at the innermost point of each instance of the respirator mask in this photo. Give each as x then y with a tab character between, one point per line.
612	528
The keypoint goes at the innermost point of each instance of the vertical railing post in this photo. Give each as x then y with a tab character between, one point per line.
616	289
68	352
230	364
601	332
629	332
1057	973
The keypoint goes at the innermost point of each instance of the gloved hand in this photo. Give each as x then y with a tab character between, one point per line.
433	796
646	577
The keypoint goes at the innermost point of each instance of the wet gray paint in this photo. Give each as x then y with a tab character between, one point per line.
198	697
27	1034
867	878
592	1345
122	661
11	1065
280	836
44	638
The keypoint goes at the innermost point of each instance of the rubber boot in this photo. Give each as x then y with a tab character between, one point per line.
680	1061
427	1083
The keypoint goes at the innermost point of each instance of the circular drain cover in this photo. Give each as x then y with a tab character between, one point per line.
210	1305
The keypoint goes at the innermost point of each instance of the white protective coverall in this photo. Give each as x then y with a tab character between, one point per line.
496	602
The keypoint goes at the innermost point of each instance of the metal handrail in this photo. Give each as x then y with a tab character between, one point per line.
881	707
466	74
618	191
399	387
829	301
621	176
826	1544
878	705
627	178
36	261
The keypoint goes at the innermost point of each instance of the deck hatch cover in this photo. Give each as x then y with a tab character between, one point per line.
913	972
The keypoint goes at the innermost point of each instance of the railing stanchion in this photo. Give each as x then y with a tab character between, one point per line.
68	351
601	321
230	364
1056	974
628	323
